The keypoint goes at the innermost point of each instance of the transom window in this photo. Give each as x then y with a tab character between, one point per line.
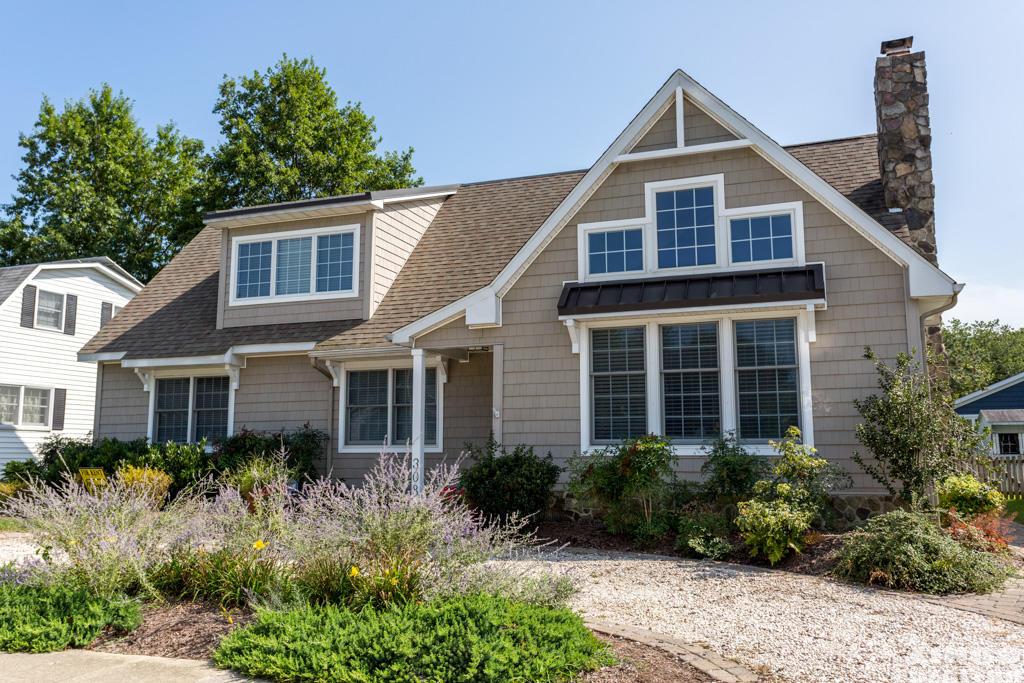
686	227
1009	444
25	406
766	378
50	310
618	381
317	264
379	407
615	251
191	409
763	238
689	378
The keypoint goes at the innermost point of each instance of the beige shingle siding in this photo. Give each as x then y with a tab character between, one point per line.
301	311
282	392
122	404
866	307
467	403
396	231
701	129
662	134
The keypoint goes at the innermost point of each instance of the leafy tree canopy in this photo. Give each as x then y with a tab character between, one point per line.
981	353
94	184
285	138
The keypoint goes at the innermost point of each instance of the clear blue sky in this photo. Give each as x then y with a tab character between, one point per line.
495	89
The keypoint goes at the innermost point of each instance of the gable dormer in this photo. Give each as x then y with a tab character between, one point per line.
317	259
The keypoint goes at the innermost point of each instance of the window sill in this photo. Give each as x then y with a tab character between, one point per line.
371	448
693	450
25	428
291	299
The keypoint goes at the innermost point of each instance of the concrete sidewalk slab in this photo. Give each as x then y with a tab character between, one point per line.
106	667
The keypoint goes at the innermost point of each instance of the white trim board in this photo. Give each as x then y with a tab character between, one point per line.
483	306
981	393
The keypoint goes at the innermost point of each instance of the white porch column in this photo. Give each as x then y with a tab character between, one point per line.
419	394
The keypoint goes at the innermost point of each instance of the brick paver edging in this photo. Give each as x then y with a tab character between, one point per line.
694	654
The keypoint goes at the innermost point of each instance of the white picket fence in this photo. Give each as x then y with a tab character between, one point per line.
1006	474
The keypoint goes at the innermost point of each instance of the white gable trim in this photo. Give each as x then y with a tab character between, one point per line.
130	283
981	393
925	278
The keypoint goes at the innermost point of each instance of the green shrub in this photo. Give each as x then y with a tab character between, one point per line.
501	484
17	471
703	534
150	482
48	618
909	551
730	471
969	496
631	482
228	577
302	448
772	527
466	639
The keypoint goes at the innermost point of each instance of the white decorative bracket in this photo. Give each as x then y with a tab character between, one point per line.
145	377
233	373
442	371
812	332
574	334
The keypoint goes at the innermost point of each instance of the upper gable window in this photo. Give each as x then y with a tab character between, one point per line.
763	238
686	227
301	264
50	310
615	251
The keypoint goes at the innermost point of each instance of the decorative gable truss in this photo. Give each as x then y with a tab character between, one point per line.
932	288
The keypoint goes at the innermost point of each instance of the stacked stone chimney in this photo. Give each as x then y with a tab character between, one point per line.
904	140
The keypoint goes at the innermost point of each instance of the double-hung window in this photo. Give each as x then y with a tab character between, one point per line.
191	409
689	380
25	406
379	407
50	310
766	378
1009	444
320	263
618	384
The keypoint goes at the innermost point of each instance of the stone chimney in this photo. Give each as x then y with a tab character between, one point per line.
905	139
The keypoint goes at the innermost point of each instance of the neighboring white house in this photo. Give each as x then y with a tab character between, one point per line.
47	312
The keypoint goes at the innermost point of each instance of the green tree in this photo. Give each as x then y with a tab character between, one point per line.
94	184
912	431
285	138
981	353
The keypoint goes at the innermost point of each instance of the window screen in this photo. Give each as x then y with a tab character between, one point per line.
367	411
172	409
253	276
690	382
210	408
334	255
686	227
294	259
764	238
766	377
618	384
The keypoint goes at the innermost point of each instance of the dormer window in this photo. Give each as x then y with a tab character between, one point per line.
296	265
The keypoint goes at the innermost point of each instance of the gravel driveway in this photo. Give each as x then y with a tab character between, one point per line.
800	628
15	545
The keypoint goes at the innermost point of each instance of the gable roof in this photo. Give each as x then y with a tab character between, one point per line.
926	280
11	277
989	390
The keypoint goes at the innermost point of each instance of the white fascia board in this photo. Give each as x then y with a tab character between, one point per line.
104	357
281	347
925	278
343	354
981	393
175	362
416	197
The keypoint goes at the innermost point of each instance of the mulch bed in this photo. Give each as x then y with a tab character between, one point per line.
193	630
815	560
186	630
639	663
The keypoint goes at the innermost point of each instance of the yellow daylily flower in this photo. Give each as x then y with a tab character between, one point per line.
354	572
259	545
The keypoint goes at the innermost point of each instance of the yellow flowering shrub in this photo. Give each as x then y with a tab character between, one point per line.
153	482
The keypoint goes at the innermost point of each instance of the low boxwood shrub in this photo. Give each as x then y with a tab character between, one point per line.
500	483
465	639
968	495
45	618
910	551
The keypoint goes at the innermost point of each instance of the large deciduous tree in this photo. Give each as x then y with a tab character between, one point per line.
95	184
285	138
981	353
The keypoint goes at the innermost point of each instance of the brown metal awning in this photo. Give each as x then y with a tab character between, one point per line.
794	284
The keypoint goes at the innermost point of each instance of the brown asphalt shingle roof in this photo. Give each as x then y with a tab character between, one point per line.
474	235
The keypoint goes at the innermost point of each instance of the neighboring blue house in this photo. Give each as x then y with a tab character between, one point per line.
1000	407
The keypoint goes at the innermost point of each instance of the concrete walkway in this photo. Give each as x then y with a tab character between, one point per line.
106	667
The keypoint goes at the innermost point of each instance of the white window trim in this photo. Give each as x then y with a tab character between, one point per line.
341	376
727	370
63	310
312	295
19	417
150	377
723	242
